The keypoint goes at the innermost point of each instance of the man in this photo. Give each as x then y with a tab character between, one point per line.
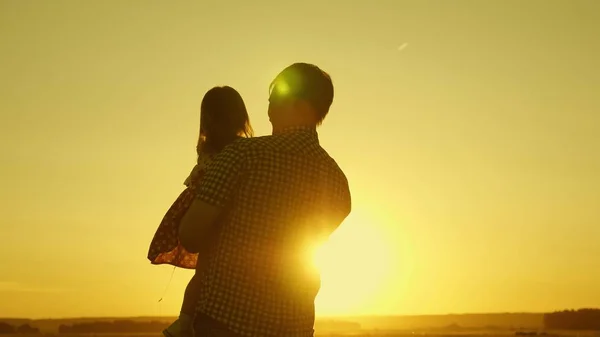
270	200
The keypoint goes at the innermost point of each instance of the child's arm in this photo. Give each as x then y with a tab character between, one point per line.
197	170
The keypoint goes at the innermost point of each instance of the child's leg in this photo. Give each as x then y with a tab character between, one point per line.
188	307
190	297
184	325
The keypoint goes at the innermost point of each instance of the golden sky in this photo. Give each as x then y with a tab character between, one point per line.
469	130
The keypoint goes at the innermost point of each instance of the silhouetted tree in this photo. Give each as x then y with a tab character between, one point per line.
582	319
121	326
27	329
6	328
63	329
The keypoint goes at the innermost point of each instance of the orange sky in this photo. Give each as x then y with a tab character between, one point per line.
469	130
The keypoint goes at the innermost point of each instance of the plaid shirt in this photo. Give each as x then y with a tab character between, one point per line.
281	193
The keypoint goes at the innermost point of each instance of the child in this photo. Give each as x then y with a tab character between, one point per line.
223	119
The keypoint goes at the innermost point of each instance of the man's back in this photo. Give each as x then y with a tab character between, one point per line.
286	194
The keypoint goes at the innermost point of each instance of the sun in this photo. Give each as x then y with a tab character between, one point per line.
354	266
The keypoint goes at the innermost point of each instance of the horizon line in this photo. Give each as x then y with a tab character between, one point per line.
317	316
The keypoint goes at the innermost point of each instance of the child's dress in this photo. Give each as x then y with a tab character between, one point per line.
165	247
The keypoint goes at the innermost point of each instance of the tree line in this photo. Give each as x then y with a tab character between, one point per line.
120	326
6	328
582	319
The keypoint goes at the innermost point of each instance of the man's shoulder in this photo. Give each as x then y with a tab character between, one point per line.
336	174
337	171
239	145
331	162
251	144
243	149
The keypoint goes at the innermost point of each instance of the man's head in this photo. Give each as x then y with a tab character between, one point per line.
300	96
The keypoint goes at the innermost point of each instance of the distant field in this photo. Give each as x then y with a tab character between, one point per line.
466	325
368	333
475	323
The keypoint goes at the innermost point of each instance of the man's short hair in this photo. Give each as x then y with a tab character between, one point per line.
307	82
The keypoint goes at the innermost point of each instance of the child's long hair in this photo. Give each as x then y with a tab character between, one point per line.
223	118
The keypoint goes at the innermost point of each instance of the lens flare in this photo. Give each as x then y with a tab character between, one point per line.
282	89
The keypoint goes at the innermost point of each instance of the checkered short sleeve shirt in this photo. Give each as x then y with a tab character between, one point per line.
281	193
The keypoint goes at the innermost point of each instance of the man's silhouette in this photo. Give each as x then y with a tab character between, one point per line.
269	199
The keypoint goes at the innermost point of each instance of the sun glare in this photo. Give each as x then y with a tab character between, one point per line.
354	265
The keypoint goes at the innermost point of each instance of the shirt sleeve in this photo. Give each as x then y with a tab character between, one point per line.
344	198
222	176
335	202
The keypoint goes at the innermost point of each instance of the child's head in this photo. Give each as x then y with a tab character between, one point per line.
223	118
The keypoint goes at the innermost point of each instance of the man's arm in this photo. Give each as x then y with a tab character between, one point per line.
337	209
215	190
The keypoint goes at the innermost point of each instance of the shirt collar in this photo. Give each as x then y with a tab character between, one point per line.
296	129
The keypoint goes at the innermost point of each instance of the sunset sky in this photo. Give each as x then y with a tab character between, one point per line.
469	132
